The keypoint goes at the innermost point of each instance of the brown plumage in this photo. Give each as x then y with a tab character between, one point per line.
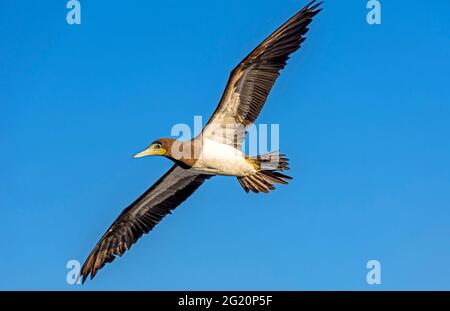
251	81
267	176
243	98
141	216
185	154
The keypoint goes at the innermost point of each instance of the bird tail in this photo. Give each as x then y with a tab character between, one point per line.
268	166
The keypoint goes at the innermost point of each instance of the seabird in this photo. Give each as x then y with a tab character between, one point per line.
217	150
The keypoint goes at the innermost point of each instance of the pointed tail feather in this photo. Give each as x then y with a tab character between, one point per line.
268	175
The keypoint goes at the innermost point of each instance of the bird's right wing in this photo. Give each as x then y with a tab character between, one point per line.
141	216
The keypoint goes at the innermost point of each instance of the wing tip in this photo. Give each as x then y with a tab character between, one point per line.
90	267
314	9
309	7
85	272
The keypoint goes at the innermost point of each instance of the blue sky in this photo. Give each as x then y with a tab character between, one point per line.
364	116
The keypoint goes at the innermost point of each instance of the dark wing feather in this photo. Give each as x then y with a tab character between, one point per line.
251	81
141	216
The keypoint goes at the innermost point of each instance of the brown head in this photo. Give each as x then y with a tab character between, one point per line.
182	153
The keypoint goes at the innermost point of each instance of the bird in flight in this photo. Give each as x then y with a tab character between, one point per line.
216	150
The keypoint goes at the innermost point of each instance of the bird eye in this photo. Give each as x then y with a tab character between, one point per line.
157	146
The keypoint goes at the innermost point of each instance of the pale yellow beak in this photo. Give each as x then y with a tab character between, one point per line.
150	151
146	152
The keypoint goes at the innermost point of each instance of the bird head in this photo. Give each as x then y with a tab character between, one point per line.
160	147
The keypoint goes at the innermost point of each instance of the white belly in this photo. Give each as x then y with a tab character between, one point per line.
221	159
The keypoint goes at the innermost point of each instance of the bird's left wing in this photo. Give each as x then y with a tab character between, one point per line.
252	79
141	216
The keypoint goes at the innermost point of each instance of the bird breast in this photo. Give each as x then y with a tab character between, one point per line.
221	159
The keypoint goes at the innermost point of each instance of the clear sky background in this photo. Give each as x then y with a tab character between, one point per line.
364	116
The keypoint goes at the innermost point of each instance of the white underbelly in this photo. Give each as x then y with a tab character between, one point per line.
221	159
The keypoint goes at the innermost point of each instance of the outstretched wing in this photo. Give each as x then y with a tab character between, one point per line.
141	216
251	81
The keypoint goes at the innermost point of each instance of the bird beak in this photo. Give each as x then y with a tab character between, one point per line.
146	152
150	151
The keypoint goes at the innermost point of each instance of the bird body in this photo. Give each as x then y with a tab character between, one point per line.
222	159
217	150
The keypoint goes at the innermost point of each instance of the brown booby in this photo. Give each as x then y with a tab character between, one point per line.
217	150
